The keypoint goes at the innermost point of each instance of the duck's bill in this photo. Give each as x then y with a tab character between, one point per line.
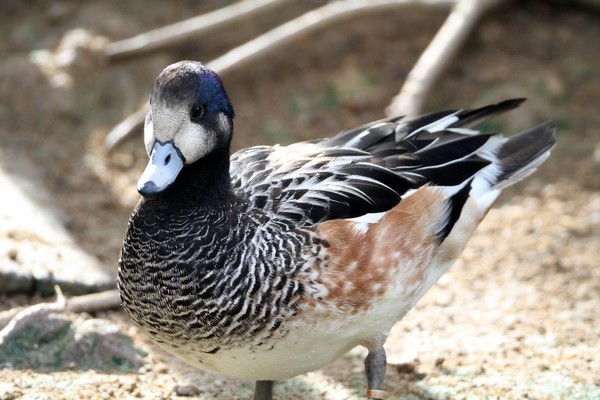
165	164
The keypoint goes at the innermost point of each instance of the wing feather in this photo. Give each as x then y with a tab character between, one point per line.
364	170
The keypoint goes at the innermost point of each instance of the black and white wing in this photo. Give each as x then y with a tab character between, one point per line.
364	170
307	183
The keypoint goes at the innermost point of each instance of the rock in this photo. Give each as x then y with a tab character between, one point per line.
37	344
99	344
37	252
406	368
444	298
186	390
59	341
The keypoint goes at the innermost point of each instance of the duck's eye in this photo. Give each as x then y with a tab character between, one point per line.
196	112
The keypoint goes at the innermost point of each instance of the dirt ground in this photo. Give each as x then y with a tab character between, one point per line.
516	318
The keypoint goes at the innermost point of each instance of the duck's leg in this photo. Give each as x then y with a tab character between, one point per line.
263	390
375	364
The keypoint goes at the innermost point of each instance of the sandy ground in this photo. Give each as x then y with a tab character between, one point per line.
516	318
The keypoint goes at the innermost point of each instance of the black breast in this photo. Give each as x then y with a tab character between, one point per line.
214	276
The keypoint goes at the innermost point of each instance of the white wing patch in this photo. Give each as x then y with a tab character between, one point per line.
439	125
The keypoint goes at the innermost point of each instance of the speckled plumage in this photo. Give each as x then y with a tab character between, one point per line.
216	290
278	260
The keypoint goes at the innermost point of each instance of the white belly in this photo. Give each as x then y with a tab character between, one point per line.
307	346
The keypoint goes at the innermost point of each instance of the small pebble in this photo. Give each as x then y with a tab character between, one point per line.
186	390
406	368
13	254
161	368
439	362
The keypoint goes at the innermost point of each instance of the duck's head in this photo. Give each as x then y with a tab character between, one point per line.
190	117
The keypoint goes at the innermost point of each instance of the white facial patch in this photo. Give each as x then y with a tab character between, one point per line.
192	140
148	133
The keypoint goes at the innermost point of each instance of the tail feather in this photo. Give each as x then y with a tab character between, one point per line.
469	118
523	153
510	160
454	120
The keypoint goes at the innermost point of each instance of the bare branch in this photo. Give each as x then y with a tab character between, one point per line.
303	25
14	318
130	124
273	40
438	55
22	316
94	302
182	30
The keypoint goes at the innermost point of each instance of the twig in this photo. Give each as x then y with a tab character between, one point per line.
130	124
436	57
182	30
38	311
94	302
14	318
303	25
272	40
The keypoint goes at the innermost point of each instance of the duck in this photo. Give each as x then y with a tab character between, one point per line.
277	260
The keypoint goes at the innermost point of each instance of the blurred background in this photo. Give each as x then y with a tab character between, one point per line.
517	316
